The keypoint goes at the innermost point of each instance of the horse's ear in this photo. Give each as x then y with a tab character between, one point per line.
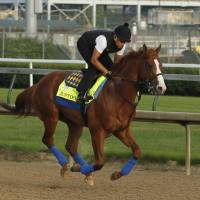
144	48
158	49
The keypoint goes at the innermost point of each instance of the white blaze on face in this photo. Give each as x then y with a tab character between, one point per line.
161	83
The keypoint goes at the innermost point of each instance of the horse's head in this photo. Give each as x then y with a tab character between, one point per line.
150	68
142	67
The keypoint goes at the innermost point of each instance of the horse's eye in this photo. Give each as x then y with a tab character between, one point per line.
149	65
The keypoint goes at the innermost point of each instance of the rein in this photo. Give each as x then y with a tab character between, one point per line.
123	79
132	104
135	83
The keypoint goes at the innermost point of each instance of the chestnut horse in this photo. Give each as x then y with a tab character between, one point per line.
111	113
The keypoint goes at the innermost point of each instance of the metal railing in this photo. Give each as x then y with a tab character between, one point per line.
31	71
33	61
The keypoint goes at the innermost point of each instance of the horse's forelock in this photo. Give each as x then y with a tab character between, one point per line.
153	53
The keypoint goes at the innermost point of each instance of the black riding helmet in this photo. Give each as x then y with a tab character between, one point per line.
123	32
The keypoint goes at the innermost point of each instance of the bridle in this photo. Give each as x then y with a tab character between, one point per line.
142	86
148	85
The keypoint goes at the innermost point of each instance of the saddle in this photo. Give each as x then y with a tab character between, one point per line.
67	93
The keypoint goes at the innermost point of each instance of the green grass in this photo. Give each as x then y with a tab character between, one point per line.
165	103
159	142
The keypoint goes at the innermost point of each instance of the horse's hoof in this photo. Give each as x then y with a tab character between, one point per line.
64	171
76	168
89	180
115	176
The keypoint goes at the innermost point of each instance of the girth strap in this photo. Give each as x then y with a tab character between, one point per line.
83	108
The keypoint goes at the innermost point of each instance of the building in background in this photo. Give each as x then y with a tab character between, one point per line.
157	21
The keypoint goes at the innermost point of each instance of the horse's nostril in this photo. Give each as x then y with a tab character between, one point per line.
159	89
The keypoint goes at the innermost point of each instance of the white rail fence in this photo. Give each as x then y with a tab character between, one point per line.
186	77
34	61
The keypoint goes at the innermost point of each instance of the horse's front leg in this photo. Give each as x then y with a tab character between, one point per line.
98	138
75	132
127	138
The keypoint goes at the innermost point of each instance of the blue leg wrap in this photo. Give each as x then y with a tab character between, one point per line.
62	160
86	169
126	169
79	159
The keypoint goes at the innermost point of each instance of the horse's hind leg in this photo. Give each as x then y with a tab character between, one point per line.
127	138
48	140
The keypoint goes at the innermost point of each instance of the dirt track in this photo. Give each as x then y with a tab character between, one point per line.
41	181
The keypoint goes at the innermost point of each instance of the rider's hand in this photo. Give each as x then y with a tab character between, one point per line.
108	75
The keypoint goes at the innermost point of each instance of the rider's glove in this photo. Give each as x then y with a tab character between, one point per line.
108	75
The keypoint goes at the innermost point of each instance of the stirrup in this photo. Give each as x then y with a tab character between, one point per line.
83	98
88	98
80	98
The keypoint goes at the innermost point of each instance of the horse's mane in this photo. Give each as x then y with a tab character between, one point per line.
125	61
130	58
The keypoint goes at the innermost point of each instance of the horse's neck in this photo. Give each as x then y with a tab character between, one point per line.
127	70
126	89
121	90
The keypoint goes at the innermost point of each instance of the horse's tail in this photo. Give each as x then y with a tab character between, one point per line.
22	103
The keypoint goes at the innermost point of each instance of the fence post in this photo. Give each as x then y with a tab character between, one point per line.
31	75
10	89
3	43
154	104
188	149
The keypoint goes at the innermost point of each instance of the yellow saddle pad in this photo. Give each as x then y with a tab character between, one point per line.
69	92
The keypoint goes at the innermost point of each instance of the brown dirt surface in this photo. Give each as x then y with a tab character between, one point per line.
41	180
